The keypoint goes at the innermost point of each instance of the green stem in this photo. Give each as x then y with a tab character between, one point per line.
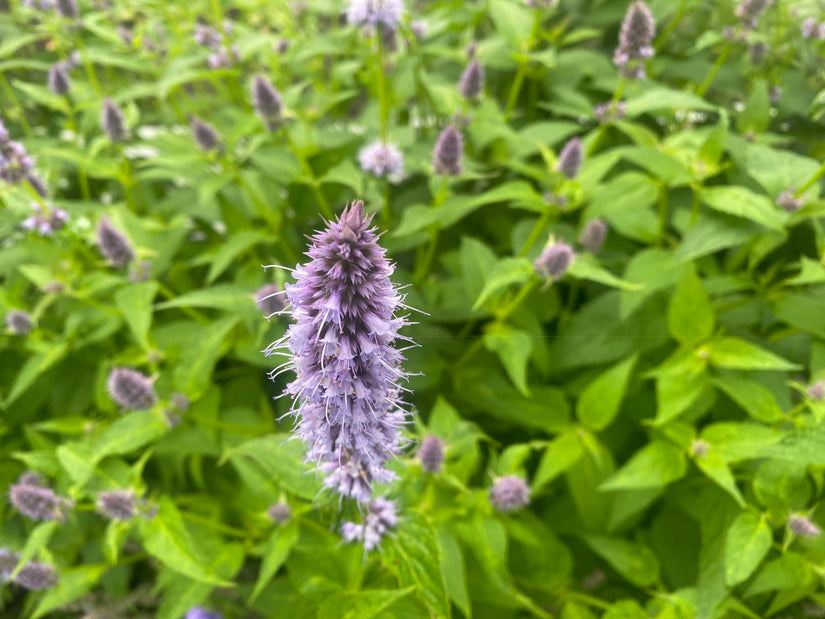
662	214
671	26
694	207
381	81
166	292
87	66
587	599
214	525
703	87
424	264
521	73
534	233
810	182
9	92
323	203
81	173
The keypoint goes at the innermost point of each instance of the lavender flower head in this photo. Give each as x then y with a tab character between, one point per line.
223	58
817	391
509	493
279	512
111	121
472	80
118	504
36	576
15	163
570	158
449	149
267	102
788	201
382	160
205	135
58	79
36	501
593	235
811	29
131	389
8	561
635	40
19	322
749	12
802	526
431	454
113	244
554	260
270	299
67	9
43	223
207	36
374	12
199	612
606	112
347	392
380	518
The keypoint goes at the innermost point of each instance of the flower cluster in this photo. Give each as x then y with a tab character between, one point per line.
222	55
373	12
570	158
431	454
749	12
382	160
347	392
20	322
113	244
448	152
111	121
788	201
554	260
380	518
509	493
45	223
33	576
131	389
16	165
118	504
812	29
206	137
635	40
593	235
267	102
608	111
58	79
471	83
31	498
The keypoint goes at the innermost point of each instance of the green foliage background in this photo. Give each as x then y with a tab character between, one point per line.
655	397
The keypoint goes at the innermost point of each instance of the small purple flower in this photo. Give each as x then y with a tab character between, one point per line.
607	112
271	299
635	40
223	58
8	561
554	260
199	612
570	158
111	121
113	244
207	36
15	163
419	29
448	152
58	80
817	391
788	201
118	504
431	454
699	447
471	83
380	518
749	12
19	322
36	576
180	402
140	271
509	493
67	9
205	135
382	160
279	512
347	392
593	235
267	102
374	12
37	502
131	389
802	526
45	224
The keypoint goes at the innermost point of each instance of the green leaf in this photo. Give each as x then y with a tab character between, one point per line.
364	604
657	268
238	243
756	399
584	266
476	261
166	538
194	372
624	202
33	367
636	563
73	584
690	314
658	98
226	297
559	455
747	542
714	466
679	383
655	465
512	21
714	232
453	570
42	95
506	272
78	460
130	433
282	461
790	571
756	115
600	401
135	304
276	551
419	563
736	354
741	441
742	202
513	348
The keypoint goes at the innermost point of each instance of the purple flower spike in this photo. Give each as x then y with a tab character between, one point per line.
279	512
111	120
267	102
36	576
448	152
374	12
431	454
570	158
36	501
8	561
593	235
117	504
199	612
67	9
205	135
749	12
131	389
472	80
113	244
607	112
802	526
380	518
635	40
347	392
270	299
554	260
382	160
509	493
19	322
58	80
817	391
788	201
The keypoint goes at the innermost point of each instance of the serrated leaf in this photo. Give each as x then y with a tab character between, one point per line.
690	314
512	21
453	570
742	202
559	455
33	367
584	266
655	465
715	467
636	563
237	244
282	461
507	271
276	551
226	297
364	604
135	304
513	348
746	544
756	399
736	354
600	401
73	584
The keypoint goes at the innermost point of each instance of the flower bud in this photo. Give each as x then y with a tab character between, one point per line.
267	102
554	260
280	513
36	576
382	160
58	80
802	526
19	322
374	12
113	244
205	135
448	152
111	120
131	389
431	454
593	235
509	493
117	504
570	158
472	80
